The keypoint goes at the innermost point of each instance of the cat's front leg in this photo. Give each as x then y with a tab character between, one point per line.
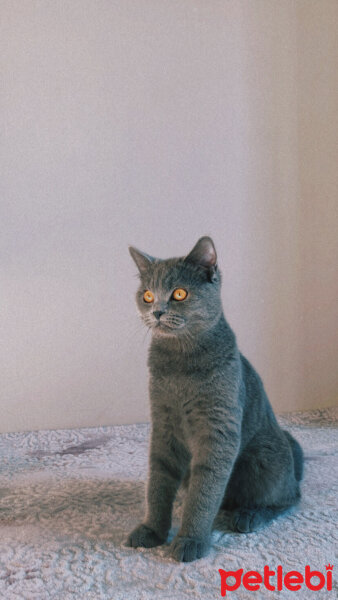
165	474
210	471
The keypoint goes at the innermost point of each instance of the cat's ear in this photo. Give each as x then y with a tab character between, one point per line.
141	259
204	255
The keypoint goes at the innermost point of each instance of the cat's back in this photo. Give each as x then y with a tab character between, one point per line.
257	407
252	379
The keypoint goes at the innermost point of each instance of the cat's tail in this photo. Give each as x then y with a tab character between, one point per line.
298	456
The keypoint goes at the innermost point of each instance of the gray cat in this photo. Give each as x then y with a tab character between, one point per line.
213	428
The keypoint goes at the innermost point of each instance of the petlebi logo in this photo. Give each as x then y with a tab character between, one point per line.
276	580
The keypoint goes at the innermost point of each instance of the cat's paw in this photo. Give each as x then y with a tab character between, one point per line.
186	549
144	537
246	520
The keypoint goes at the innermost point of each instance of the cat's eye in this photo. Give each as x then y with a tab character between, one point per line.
148	296
180	294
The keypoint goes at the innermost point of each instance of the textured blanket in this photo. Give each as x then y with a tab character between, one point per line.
68	498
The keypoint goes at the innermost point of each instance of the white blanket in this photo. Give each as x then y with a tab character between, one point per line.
68	498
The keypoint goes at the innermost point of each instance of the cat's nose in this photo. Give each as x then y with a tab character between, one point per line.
158	313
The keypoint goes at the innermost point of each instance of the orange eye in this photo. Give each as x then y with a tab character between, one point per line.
148	296
180	294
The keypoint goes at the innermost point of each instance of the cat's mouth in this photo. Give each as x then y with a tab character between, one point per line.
167	328
171	325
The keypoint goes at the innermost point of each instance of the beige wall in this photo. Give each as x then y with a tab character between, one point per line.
152	122
318	180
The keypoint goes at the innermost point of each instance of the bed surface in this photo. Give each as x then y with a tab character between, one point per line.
68	498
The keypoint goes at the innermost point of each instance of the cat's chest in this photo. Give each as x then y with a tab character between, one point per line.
172	390
173	401
167	398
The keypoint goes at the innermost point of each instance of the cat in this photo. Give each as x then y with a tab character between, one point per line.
213	428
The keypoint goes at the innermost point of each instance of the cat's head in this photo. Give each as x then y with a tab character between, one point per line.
179	296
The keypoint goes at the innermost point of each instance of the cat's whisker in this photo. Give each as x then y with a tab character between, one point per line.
136	330
145	335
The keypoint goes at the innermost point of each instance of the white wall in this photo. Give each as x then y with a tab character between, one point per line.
152	122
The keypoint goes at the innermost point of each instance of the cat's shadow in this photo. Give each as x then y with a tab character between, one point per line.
92	508
100	510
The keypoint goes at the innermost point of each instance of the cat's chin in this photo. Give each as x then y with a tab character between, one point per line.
159	333
163	331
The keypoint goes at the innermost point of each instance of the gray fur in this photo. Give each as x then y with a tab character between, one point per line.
213	428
